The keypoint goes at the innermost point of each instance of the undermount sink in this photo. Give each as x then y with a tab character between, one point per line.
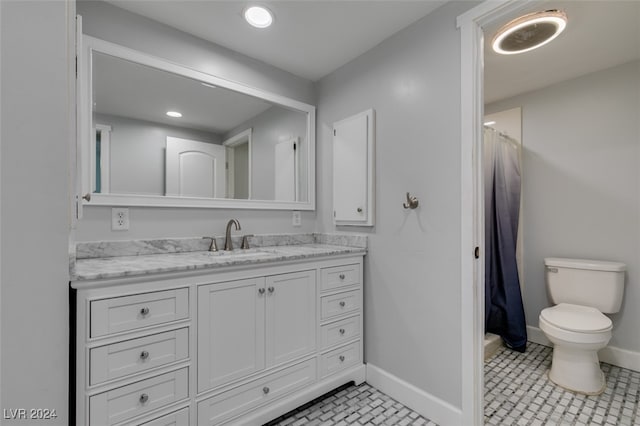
239	253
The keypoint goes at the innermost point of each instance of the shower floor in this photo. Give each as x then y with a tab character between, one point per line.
517	392
492	343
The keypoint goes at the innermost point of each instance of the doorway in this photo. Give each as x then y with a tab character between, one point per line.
475	89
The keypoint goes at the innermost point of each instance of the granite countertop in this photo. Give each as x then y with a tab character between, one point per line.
100	260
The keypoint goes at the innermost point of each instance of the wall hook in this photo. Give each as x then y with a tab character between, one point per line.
412	202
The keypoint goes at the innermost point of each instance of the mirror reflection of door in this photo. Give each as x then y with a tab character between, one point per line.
100	163
286	170
238	150
195	169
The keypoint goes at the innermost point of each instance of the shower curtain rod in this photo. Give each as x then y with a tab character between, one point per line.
504	135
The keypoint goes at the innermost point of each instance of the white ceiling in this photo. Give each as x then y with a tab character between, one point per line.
312	38
308	38
131	90
599	35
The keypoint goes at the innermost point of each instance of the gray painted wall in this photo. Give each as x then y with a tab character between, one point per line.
138	153
412	270
581	183
34	180
268	129
108	22
105	21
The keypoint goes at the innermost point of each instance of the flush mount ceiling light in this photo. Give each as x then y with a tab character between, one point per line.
174	114
258	16
529	32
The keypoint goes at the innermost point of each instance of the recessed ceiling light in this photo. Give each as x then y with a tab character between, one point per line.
489	123
258	16
529	32
174	114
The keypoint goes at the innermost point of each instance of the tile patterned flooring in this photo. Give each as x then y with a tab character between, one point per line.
352	405
517	393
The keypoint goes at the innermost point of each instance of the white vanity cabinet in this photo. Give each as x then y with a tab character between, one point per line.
231	345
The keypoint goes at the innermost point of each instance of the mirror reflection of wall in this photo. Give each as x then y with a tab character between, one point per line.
137	153
132	101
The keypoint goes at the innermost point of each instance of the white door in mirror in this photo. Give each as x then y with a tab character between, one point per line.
195	169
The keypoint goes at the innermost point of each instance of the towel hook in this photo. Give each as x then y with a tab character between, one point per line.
412	202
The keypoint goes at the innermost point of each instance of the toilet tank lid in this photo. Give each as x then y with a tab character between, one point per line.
597	265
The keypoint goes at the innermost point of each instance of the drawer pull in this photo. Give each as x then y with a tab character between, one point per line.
341	358
144	398
341	276
144	311
341	331
271	289
342	304
144	355
261	290
265	390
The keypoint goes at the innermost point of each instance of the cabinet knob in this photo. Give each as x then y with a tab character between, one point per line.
144	355
271	289
87	196
144	311
144	398
359	209
261	290
341	276
341	358
341	331
342	304
265	390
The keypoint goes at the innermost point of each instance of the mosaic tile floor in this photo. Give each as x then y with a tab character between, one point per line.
517	392
352	405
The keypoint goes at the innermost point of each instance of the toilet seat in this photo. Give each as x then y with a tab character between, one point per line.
576	318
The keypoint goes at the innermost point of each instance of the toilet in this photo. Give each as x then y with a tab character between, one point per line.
582	292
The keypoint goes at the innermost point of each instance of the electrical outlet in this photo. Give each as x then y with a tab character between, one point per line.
120	219
296	218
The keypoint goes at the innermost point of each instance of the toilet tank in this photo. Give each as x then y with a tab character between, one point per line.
594	283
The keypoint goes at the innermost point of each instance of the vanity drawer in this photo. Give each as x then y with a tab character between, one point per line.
136	355
339	359
339	304
179	418
339	332
240	400
120	404
126	313
339	276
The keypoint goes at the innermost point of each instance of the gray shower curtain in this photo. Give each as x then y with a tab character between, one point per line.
504	312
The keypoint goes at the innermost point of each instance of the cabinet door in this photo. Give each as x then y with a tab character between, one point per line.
353	170
291	316
230	331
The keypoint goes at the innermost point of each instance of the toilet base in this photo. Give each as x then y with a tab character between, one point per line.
577	370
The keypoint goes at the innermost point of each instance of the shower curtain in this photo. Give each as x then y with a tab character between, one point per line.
504	313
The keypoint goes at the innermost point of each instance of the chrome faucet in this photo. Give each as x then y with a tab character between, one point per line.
228	245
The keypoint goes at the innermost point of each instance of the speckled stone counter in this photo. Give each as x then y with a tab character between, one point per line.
118	259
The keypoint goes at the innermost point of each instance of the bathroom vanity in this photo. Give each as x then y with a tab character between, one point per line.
213	338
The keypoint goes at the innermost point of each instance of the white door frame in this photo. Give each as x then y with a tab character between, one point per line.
243	137
472	199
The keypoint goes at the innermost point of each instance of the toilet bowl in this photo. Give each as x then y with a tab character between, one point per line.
582	291
577	333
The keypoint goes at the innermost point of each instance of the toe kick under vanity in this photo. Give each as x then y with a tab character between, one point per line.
214	338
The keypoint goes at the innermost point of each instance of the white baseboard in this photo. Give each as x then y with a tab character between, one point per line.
418	400
535	335
611	355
